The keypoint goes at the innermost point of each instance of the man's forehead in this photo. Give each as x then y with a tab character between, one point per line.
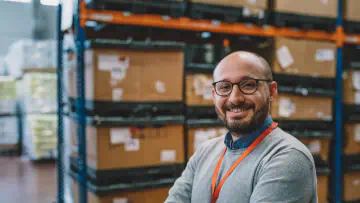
240	65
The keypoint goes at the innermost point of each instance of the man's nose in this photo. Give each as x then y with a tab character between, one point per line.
236	96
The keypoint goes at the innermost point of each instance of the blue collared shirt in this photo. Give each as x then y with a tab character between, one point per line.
246	140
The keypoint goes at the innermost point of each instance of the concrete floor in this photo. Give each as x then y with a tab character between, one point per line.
22	181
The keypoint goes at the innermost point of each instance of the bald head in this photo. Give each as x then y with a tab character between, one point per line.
242	58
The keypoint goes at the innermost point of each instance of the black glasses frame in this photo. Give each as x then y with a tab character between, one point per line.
238	84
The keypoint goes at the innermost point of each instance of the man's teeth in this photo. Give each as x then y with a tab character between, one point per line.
237	110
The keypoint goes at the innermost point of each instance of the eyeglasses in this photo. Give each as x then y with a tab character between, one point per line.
247	86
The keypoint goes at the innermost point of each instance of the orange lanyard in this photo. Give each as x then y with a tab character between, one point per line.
216	191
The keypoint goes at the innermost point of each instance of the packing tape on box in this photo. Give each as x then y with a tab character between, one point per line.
117	94
168	155
120	135
357	133
286	107
160	87
323	55
120	200
356	80
284	57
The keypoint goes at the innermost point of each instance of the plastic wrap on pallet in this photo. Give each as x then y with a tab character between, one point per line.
30	54
40	93
40	136
8	95
9	133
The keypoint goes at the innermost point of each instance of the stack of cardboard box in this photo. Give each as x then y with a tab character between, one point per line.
351	16
305	103
9	123
137	136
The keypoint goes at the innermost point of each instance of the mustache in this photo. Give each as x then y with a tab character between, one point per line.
244	105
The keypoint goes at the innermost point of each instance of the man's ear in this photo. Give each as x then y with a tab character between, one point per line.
273	90
213	95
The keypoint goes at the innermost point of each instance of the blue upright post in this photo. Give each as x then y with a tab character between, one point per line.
338	107
80	106
60	88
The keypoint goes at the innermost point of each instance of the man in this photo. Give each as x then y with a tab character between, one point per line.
255	161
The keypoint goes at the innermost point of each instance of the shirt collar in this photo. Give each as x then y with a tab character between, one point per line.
246	140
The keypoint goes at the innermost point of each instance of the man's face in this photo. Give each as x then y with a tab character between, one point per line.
242	113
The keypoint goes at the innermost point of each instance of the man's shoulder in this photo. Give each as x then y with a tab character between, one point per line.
283	142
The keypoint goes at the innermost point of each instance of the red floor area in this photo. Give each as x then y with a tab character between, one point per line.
22	181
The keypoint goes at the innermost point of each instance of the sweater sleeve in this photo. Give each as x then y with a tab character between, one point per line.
289	176
182	188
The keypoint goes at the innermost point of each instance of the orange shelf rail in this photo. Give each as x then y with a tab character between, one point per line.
184	23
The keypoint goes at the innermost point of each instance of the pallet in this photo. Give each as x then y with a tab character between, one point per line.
225	13
201	112
304	22
351	27
171	8
130	175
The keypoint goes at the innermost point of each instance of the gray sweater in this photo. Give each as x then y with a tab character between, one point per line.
279	169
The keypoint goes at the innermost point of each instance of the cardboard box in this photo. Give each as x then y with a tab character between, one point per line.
351	86
199	90
351	10
131	75
155	195
8	93
131	147
318	146
352	186
352	139
304	57
322	188
293	107
263	4
320	8
197	136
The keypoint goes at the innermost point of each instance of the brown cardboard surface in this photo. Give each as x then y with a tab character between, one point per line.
217	132
102	154
150	76
352	186
303	53
198	90
238	3
322	188
352	139
156	195
308	7
293	107
351	10
313	144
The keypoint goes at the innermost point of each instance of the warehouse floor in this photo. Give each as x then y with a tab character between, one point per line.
23	181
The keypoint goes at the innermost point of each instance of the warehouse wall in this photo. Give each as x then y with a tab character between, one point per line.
15	27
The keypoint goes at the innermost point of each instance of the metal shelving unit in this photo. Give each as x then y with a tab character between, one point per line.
84	14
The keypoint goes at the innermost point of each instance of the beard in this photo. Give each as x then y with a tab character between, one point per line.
244	127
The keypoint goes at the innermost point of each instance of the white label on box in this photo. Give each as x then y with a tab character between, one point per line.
324	55
118	74
246	12
112	62
345	75
117	94
356	80
315	147
357	133
132	145
325	2
207	93
200	137
120	200
168	155
357	97
160	87
284	57
356	182
286	107
252	1
120	135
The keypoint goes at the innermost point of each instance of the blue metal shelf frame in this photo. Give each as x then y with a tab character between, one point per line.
60	103
338	111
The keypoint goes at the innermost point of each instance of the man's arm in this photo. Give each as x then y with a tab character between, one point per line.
287	177
182	188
